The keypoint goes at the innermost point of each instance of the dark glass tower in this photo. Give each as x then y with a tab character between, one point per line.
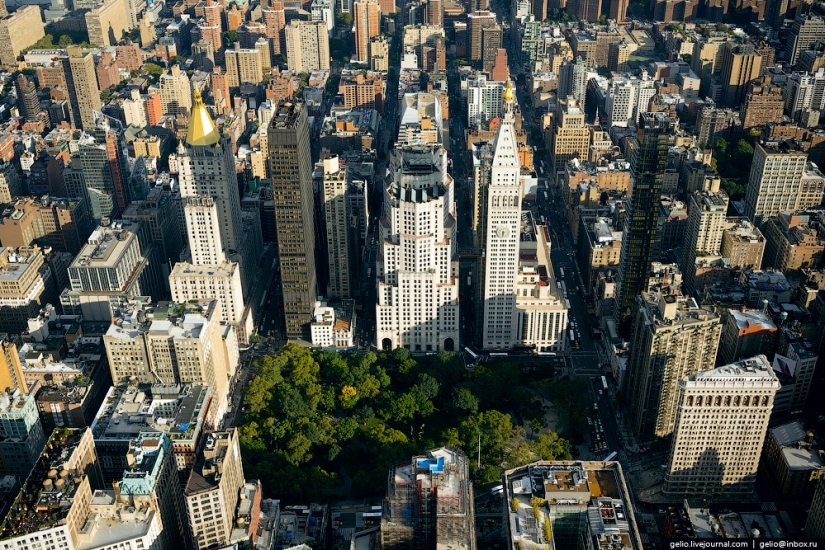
647	165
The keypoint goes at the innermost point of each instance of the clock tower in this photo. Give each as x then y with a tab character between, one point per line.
502	242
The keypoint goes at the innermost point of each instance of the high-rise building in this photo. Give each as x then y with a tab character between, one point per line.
477	21
111	269
743	244
703	236
27	101
741	63
618	10
491	36
483	100
379	54
807	28
182	348
573	80
324	11
434	12
417	267
291	168
307	46
18	31
63	224
151	482
213	490
503	220
648	159
629	99
81	82
763	103
24	291
274	18
106	22
815	524
21	433
244	65
429	503
774	182
570	137
584	10
672	338
804	92
721	421
342	238
795	359
175	92
367	21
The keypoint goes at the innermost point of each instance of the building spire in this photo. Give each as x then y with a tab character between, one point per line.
508	98
202	130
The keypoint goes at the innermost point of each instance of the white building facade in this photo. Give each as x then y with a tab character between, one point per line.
417	264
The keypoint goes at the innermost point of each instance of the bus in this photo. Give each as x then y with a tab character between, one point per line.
572	336
547	354
497	354
604	383
545	196
567	303
564	288
561	269
611	456
469	352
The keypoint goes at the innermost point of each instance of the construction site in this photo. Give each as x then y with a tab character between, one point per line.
429	504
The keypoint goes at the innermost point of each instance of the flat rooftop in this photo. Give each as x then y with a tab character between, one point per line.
106	246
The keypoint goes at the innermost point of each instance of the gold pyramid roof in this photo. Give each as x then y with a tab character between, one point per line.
508	94
202	130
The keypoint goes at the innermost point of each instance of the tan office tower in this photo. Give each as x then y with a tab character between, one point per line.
774	182
571	135
721	422
434	13
213	490
291	168
243	65
618	10
307	46
367	19
175	92
705	226
672	338
81	82
338	227
18	31
741	63
107	22
477	21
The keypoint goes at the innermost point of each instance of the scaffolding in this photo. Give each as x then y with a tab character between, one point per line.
429	504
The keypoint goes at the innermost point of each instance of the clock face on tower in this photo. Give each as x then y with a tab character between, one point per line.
502	231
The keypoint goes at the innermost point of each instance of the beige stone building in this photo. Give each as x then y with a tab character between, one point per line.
721	421
794	241
243	65
570	137
18	31
81	82
175	92
672	338
213	490
107	23
307	46
742	243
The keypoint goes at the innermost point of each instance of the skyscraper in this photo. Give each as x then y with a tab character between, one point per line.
573	80
175	92
705	226
367	20
672	338
807	28
342	273
291	168
307	46
571	135
27	101
503	213
721	421
477	21
774	182
648	160
741	63
417	263
81	82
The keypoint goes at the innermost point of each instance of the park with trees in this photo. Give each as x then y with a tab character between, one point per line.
320	425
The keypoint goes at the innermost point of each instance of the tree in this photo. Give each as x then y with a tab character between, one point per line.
64	41
464	400
343	19
229	37
152	69
348	397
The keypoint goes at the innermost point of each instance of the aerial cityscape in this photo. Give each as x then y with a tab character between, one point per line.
411	274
